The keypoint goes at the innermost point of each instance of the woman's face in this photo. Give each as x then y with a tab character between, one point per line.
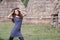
16	12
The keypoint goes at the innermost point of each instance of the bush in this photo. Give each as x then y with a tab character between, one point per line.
25	2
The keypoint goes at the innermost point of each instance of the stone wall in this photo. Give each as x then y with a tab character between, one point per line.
42	10
38	11
7	5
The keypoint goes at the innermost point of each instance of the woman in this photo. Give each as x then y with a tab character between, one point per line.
17	18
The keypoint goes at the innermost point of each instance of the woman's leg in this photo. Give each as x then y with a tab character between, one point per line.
21	38
11	38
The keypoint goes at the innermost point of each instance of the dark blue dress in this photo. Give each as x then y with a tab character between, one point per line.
16	31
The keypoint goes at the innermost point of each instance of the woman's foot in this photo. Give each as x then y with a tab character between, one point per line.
21	38
11	38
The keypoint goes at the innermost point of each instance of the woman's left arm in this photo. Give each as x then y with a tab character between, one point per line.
24	13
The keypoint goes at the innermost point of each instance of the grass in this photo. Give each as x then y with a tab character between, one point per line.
31	31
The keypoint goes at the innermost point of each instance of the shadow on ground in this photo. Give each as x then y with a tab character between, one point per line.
1	38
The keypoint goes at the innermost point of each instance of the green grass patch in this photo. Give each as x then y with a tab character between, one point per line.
31	31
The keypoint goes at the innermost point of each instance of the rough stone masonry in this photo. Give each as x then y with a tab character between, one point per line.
38	11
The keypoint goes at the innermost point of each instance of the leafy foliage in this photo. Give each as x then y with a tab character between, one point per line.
25	2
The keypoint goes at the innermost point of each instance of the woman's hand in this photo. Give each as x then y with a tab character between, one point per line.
10	16
23	13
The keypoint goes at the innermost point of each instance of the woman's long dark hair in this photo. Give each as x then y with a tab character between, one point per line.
13	15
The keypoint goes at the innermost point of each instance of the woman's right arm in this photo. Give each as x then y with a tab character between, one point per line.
10	16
